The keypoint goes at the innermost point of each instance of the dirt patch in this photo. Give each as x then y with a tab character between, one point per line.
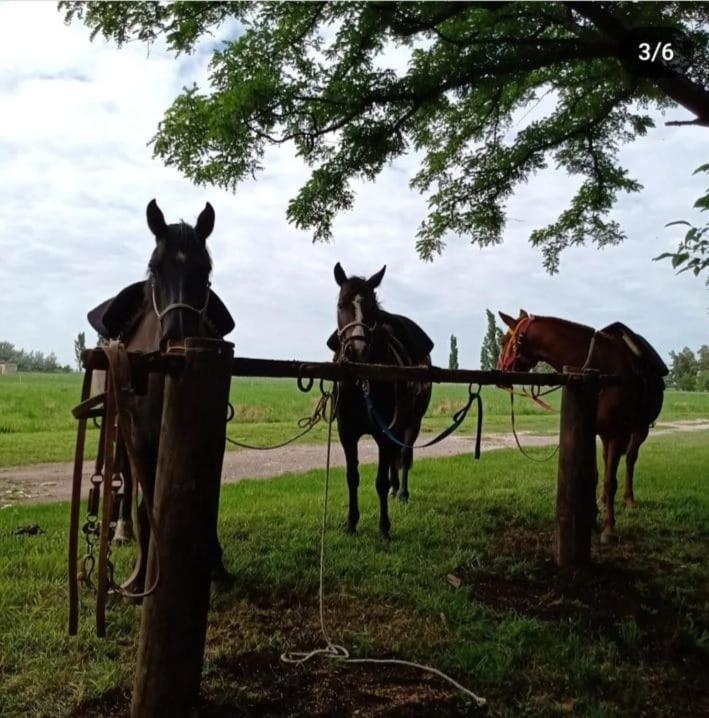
269	688
44	483
112	704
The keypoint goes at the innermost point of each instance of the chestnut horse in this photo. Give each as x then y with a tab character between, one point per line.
366	333
154	315
625	413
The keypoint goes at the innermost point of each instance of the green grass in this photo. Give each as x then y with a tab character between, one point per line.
634	641
36	424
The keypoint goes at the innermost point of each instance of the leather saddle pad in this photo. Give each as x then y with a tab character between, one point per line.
116	317
414	339
649	360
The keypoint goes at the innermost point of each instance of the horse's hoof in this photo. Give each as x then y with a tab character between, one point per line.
350	529
393	491
404	498
631	503
385	534
609	537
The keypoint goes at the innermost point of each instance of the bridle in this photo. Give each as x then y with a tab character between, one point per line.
511	352
178	305
365	337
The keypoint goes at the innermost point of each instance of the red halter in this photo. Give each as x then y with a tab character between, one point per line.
510	354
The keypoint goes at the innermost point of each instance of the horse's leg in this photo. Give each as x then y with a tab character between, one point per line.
349	445
387	457
144	466
613	451
631	457
407	459
394	480
124	526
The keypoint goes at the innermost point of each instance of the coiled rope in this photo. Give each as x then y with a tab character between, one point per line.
333	650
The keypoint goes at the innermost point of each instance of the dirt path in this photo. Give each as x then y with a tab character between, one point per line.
44	483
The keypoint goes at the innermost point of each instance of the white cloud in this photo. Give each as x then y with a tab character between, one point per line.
77	174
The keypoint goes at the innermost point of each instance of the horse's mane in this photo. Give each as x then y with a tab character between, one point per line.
565	322
362	281
182	237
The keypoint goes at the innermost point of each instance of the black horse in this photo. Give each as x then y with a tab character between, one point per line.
366	333
174	303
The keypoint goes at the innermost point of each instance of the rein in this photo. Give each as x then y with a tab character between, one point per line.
307	423
114	448
458	419
403	358
514	430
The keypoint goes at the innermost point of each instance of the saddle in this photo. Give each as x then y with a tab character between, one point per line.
648	360
117	317
415	341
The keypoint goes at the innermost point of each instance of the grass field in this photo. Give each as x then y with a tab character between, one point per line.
631	637
36	423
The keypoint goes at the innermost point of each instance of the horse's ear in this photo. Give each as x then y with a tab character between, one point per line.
376	279
205	223
340	276
156	219
507	319
523	314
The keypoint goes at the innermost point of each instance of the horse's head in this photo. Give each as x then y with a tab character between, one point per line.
178	275
517	352
357	313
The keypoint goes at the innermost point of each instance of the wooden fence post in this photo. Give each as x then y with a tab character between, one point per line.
576	485
174	618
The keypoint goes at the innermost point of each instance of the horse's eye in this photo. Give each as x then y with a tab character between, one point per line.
340	305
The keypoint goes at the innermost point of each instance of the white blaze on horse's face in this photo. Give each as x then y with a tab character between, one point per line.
358	347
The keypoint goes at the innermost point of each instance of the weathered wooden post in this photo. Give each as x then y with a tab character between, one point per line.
174	618
576	485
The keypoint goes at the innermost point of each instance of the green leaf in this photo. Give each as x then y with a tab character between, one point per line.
678	259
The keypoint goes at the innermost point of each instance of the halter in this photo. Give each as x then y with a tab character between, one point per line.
511	352
179	305
346	341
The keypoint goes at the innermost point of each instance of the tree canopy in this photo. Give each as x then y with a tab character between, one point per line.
453	356
491	346
30	361
327	77
693	251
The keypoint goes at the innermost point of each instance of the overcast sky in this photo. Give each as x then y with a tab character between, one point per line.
77	173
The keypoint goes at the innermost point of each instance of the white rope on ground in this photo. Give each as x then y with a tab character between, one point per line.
333	650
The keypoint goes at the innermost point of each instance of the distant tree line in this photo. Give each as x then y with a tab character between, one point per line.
31	361
690	371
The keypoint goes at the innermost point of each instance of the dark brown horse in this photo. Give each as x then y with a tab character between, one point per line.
174	303
366	333
625	413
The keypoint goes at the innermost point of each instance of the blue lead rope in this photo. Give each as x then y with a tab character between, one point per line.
458	419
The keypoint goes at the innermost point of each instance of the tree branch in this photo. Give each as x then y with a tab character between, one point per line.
676	86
